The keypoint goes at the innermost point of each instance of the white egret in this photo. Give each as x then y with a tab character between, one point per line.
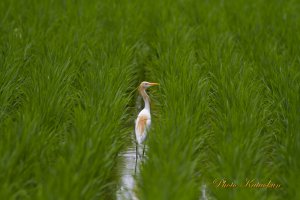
143	121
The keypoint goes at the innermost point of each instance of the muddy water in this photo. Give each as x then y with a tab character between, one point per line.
127	185
127	188
129	170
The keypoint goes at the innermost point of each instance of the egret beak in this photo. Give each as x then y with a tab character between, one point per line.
152	84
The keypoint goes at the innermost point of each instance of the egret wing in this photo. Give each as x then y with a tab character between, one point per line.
141	124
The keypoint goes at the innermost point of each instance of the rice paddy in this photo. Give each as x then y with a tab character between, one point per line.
225	118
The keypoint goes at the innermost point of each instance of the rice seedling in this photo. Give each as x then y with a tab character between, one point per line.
227	108
240	137
64	103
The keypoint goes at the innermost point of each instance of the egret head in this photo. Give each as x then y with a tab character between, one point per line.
144	85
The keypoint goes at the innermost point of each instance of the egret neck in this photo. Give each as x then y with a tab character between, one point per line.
146	98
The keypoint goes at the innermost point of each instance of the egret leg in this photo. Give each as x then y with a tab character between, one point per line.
144	150
136	157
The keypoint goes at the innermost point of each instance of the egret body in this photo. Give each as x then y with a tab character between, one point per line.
143	121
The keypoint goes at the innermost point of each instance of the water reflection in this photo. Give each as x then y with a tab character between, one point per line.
203	191
127	189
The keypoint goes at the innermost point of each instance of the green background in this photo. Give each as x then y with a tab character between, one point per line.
228	104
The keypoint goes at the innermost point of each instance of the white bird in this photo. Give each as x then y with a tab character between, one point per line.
143	121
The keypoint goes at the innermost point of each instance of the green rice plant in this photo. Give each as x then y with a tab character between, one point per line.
248	61
64	103
227	107
87	161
